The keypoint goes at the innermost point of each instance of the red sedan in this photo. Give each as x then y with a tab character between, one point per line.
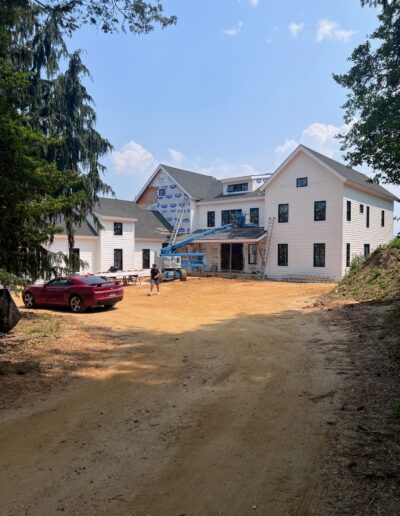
78	293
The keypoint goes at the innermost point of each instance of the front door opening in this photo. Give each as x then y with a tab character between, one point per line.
231	257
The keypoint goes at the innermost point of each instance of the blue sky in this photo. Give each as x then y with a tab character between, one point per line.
231	89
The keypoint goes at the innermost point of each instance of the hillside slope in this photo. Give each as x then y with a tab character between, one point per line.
378	278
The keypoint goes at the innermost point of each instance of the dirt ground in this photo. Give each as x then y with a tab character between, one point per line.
214	398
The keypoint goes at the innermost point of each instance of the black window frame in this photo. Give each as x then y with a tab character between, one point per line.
252	255
121	259
319	258
229	216
237	187
319	211
162	191
348	255
367	218
361	208
211	219
283	214
255	216
383	218
301	182
348	211
283	255
118	228
367	246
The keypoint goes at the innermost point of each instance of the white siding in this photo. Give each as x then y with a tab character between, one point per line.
302	232
356	232
109	242
87	250
146	244
243	204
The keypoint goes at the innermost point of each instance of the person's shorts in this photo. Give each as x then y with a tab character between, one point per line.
155	281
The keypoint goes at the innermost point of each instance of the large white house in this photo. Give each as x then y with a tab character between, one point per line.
307	220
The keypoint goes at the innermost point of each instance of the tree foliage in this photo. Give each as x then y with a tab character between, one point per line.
50	156
372	108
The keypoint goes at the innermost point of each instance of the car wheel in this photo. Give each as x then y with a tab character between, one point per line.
29	300
76	304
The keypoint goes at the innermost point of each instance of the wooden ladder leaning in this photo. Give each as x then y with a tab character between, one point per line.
175	231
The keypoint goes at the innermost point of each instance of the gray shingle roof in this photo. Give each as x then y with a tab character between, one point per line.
85	229
150	224
352	175
198	186
252	233
220	196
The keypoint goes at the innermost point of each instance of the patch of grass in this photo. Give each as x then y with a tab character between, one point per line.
45	327
394	244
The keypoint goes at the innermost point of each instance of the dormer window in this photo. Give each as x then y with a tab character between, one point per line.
301	181
238	187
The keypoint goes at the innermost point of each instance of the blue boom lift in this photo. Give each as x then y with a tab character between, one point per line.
174	264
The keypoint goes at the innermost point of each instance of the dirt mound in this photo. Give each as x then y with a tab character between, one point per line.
378	278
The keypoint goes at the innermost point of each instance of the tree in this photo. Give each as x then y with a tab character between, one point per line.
372	108
50	154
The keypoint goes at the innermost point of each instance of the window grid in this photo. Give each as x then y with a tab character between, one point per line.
301	182
319	255
211	219
319	210
283	252
348	211
252	252
118	228
283	212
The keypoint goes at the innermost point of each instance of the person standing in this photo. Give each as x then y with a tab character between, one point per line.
155	278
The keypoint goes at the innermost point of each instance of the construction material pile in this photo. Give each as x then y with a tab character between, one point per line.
377	278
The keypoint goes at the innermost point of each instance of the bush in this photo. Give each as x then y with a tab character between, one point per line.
356	262
395	243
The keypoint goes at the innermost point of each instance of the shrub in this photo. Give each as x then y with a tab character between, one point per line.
356	262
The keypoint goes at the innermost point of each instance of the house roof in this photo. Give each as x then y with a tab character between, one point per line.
221	197
150	223
198	186
352	175
249	233
84	229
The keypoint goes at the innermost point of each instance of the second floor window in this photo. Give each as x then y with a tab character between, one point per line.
283	213
320	210
255	216
239	187
367	218
229	216
118	228
348	211
211	219
161	192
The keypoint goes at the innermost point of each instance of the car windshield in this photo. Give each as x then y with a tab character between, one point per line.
93	280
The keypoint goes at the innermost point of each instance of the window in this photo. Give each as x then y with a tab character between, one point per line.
319	255
348	211
118	228
367	220
301	181
383	218
361	208
347	255
320	210
229	216
75	265
252	254
283	255
118	262
239	187
211	219
255	216
145	258
59	282
283	213
93	280
367	250
161	192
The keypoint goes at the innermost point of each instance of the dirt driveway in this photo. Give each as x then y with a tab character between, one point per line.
215	402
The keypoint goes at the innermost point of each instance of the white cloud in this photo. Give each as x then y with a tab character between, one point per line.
234	31
320	137
286	147
177	157
327	29
254	2
295	28
133	159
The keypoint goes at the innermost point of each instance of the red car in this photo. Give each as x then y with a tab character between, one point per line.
78	293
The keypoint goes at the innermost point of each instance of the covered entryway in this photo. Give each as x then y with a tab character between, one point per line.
231	257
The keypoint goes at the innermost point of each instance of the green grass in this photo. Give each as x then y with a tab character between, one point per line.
45	327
